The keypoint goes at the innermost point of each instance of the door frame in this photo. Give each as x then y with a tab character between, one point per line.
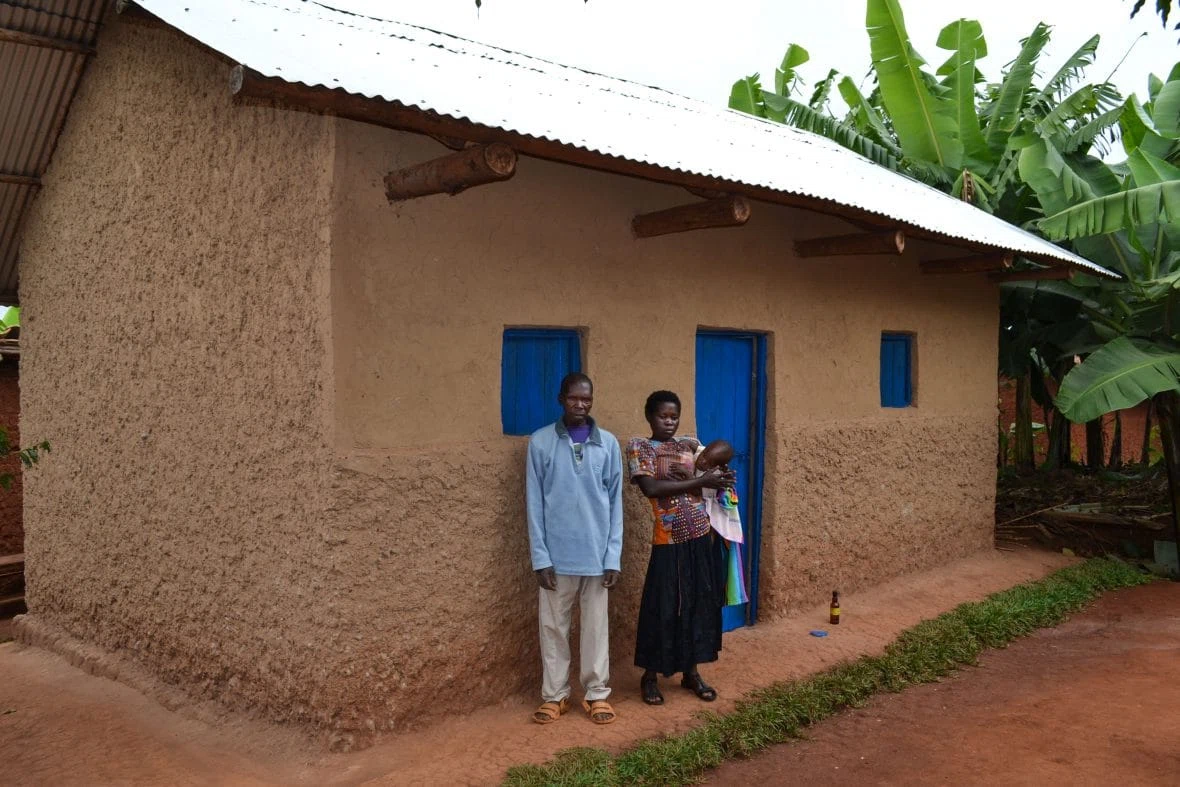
757	457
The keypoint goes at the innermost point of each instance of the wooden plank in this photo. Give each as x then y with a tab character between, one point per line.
888	242
10	36
979	263
1042	274
453	173
720	212
20	180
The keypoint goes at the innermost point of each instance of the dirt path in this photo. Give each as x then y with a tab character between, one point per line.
1093	701
61	726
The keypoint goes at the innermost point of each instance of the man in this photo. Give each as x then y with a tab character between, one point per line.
574	489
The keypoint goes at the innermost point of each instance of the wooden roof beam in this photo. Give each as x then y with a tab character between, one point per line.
888	242
452	173
719	212
249	87
20	180
10	36
1040	274
979	263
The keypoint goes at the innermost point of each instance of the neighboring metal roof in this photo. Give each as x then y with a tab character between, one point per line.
44	47
314	44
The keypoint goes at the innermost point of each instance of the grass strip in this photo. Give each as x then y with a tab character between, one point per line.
922	654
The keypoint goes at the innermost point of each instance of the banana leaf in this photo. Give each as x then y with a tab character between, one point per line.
1157	203
866	116
1120	374
1070	72
924	123
819	96
1166	110
965	39
1139	132
746	96
1008	106
785	76
801	116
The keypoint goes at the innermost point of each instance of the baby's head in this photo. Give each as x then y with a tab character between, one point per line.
716	454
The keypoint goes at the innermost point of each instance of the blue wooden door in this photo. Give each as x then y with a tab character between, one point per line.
730	405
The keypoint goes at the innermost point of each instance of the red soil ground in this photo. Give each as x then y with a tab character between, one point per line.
61	726
1093	701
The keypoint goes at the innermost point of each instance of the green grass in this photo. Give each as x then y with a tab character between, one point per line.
928	651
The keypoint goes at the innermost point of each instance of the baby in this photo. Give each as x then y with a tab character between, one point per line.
722	505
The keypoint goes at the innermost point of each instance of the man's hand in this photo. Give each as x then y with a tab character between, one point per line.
547	578
610	578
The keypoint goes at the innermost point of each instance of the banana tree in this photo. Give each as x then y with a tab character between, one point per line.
1127	215
947	128
953	130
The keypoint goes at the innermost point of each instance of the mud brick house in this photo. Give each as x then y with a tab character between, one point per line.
287	468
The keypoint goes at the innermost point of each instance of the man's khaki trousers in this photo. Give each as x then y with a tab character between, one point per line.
555	610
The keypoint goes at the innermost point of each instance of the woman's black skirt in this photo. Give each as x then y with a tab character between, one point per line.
680	614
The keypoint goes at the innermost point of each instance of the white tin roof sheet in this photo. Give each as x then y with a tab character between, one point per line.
315	44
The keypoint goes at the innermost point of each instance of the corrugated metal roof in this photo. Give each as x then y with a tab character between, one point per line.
37	84
312	43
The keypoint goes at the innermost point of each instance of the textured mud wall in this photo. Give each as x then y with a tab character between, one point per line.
432	490
12	534
312	511
175	288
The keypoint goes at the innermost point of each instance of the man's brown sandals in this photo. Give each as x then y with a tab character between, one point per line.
600	711
550	712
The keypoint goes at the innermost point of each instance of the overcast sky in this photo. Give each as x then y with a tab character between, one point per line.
699	47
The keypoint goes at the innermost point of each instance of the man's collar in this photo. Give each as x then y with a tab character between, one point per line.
595	434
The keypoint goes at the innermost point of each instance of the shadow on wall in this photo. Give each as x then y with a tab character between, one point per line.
12	534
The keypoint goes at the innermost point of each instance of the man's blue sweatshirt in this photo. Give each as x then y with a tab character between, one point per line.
575	503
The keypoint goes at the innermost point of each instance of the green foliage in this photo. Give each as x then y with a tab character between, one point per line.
1120	374
9	319
28	456
950	129
923	120
778	713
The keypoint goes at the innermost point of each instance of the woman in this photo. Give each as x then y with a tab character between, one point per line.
680	614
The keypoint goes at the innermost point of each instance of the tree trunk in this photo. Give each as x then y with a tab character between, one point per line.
1167	410
1095	452
1116	443
1145	453
1060	430
1023	450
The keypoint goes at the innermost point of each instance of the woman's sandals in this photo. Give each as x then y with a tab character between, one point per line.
650	688
550	712
599	711
697	686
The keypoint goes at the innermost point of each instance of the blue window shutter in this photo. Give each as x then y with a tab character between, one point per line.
532	365
896	370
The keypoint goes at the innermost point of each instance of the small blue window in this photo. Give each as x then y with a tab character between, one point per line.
897	369
532	365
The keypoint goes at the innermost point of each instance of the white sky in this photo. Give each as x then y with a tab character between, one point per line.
700	47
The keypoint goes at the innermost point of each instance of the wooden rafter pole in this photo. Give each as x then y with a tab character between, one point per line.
20	180
453	173
10	36
994	262
888	242
720	212
249	87
1041	274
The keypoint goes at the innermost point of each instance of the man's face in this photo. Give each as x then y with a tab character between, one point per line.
576	404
